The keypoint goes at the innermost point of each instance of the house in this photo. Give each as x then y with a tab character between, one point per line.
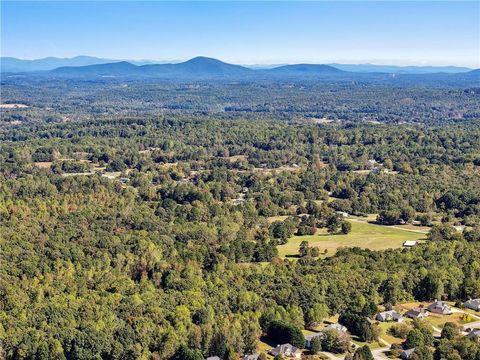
473	304
440	307
407	354
474	334
342	213
309	339
459	228
286	350
213	358
409	243
337	327
250	357
417	313
390	315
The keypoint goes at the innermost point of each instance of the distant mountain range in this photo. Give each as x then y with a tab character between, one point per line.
208	68
11	64
392	69
199	67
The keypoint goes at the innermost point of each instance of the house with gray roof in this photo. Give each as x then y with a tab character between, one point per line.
286	350
473	304
474	334
417	313
440	307
337	327
407	354
390	315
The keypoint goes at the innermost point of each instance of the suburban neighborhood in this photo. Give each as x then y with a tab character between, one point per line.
439	311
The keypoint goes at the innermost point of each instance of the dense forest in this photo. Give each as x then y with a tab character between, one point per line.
143	221
59	100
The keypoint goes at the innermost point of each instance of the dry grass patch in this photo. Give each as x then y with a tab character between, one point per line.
363	235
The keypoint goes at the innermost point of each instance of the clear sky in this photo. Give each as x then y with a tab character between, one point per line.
387	32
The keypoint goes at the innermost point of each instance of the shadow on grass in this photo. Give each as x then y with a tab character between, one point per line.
265	339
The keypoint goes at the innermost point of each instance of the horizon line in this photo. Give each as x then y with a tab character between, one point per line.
257	63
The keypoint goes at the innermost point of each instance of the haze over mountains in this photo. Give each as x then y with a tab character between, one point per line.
203	68
11	64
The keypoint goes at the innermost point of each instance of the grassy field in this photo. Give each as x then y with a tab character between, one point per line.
385	335
364	235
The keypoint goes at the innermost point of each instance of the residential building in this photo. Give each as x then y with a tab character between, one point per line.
473	304
407	354
390	315
286	350
417	313
440	307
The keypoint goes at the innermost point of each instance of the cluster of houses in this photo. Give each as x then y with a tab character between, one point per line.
437	307
421	312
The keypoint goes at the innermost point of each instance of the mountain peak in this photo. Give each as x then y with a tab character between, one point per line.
204	59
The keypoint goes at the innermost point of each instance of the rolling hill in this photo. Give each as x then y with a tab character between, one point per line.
199	67
305	69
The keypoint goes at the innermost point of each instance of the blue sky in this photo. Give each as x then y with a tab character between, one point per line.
388	32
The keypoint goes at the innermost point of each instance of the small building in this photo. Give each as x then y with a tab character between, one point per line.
286	350
407	354
417	313
410	243
390	315
473	304
213	358
440	307
459	228
337	327
342	213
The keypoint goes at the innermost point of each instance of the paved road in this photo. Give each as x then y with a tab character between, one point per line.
388	226
377	353
472	325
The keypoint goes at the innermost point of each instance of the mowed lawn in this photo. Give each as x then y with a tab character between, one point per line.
364	235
